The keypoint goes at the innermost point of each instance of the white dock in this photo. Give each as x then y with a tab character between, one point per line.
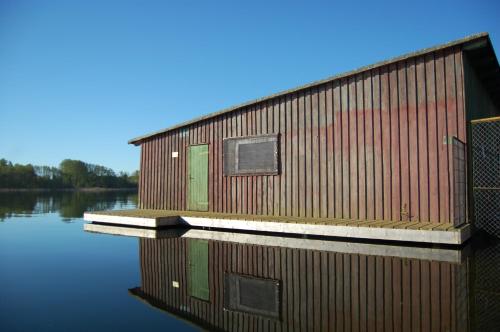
427	253
418	232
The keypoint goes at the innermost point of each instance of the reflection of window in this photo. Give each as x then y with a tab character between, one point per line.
252	295
251	155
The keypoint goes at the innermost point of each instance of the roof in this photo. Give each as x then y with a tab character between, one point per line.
478	47
177	313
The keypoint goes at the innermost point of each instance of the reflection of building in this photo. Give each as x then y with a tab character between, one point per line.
224	285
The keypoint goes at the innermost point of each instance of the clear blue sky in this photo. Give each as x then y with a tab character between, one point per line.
80	78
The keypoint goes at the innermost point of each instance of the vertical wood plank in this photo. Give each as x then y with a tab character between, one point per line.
369	146
346	195
395	143
435	296
323	154
277	178
386	143
339	291
338	136
353	175
330	151
360	115
415	295
442	131
397	294
406	294
308	154
459	81
283	178
452	121
371	295
302	155
355	285
379	292
316	194
433	143
423	147
403	138
413	142
291	144
388	297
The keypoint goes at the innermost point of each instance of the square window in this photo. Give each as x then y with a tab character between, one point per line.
252	295
255	155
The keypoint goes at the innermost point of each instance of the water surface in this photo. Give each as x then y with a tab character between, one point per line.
56	277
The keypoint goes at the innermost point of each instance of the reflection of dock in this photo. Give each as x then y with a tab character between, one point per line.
444	254
213	280
422	232
133	231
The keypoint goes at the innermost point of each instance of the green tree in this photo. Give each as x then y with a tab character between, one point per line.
74	173
70	174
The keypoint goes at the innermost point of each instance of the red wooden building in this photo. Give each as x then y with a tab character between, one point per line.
300	289
371	144
383	146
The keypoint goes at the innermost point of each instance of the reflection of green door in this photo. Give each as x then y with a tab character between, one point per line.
198	178
198	269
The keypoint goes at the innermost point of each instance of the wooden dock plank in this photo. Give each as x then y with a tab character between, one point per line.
311	226
151	213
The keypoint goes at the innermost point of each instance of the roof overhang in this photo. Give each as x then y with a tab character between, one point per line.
482	58
176	313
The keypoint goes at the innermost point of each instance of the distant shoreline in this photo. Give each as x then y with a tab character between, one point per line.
96	189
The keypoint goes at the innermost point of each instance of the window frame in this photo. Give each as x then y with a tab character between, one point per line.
232	295
241	140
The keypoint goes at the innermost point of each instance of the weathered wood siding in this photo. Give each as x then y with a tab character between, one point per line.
369	146
320	291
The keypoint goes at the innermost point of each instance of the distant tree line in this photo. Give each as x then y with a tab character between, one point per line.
69	174
69	205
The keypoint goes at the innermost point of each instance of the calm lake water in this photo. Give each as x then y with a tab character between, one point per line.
57	277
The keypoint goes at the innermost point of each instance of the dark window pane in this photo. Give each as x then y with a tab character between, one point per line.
252	295
251	155
256	156
258	294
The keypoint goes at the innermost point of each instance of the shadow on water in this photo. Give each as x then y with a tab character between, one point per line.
485	283
69	204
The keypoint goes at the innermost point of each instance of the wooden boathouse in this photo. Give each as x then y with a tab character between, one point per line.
233	286
305	284
381	152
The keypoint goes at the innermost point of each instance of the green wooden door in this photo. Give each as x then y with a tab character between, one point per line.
198	178
198	269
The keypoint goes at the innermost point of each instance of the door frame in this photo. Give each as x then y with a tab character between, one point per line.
191	269
187	182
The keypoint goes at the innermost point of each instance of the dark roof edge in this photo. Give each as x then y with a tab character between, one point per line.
171	311
467	39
